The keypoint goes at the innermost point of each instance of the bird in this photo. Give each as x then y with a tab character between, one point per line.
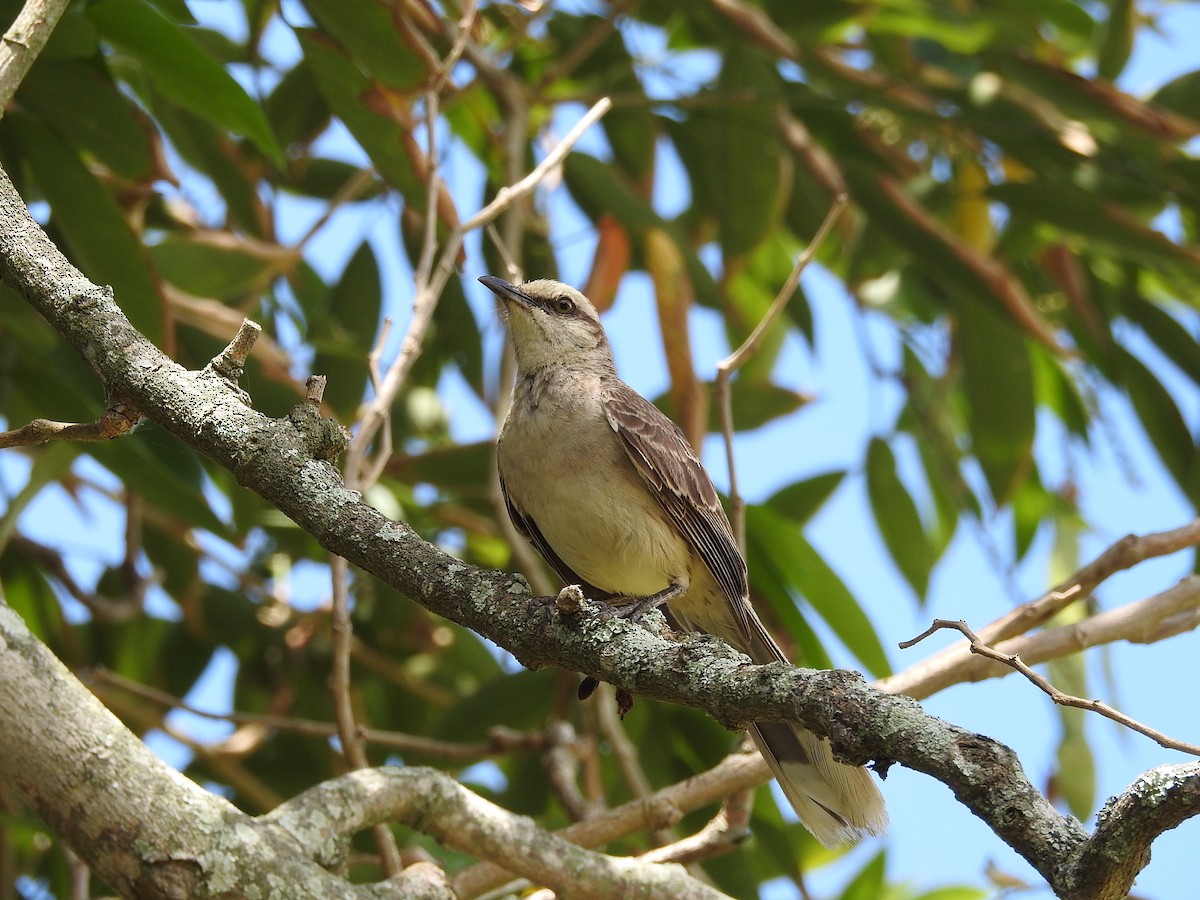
610	493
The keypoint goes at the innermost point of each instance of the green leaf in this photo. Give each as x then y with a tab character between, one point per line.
345	88
295	108
207	149
1031	505
754	404
1116	39
368	32
323	178
1163	421
182	70
166	474
74	37
785	550
1081	212
998	383
868	883
598	189
953	893
1056	390
802	500
76	100
213	264
460	466
1169	335
1181	95
100	240
897	517
733	154
768	584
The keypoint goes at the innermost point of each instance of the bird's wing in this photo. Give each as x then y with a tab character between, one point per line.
530	531
666	462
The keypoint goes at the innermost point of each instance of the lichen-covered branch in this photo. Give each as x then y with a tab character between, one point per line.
434	803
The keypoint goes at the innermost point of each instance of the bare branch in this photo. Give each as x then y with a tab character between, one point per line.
104	608
339	687
663	809
508	195
437	805
735	360
1157	801
231	362
1015	662
113	423
499	740
949	666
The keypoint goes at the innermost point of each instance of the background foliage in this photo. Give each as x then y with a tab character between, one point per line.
1022	232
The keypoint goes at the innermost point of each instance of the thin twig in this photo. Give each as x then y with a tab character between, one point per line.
717	837
1146	621
500	740
339	687
80	875
113	423
465	22
944	668
584	47
735	360
1015	662
351	189
561	764
105	609
625	754
375	413
736	772
253	792
23	42
507	195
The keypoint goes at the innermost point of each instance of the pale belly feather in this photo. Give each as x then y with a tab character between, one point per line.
576	482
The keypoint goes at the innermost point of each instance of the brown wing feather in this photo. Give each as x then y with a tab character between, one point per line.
665	460
529	530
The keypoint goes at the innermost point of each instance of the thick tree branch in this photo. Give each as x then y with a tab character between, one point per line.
141	826
434	803
281	460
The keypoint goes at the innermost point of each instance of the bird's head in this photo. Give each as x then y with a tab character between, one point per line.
552	324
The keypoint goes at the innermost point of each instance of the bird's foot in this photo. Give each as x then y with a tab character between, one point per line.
633	608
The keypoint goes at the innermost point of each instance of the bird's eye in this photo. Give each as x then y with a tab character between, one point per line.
564	305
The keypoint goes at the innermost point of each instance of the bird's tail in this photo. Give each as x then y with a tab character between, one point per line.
838	803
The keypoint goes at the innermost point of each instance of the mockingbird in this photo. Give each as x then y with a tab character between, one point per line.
610	493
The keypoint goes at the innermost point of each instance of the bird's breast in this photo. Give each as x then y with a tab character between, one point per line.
565	468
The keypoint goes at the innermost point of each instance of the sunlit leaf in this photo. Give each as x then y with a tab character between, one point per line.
1162	420
897	517
794	559
998	382
97	234
182	70
74	98
804	499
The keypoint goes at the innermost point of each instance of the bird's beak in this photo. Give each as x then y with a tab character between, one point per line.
505	291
